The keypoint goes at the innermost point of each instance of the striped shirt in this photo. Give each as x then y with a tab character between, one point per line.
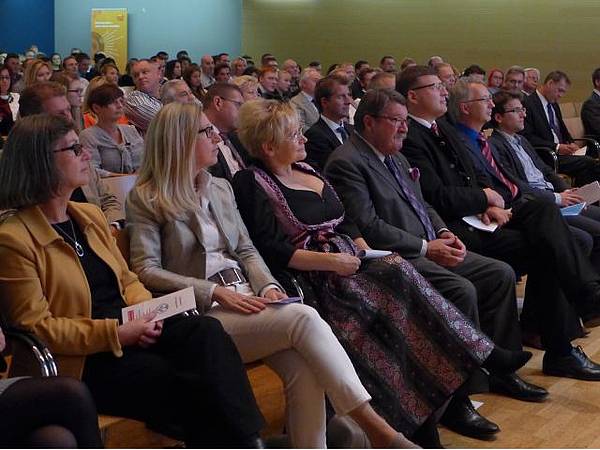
140	109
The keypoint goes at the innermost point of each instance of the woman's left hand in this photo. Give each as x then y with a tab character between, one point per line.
274	295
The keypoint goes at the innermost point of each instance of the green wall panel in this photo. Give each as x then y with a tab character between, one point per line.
547	34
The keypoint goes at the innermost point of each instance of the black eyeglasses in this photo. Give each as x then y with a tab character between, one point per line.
482	99
437	86
515	110
396	120
235	102
209	131
76	148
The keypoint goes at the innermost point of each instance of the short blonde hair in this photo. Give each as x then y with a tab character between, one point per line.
166	179
244	81
266	122
32	69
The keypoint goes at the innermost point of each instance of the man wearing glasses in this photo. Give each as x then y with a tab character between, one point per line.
382	196
221	106
461	176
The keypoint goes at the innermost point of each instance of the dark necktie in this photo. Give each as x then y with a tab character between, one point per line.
486	151
343	133
553	124
414	202
234	152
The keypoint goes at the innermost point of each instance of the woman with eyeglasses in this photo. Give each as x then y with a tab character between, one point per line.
116	148
186	231
9	102
412	348
63	278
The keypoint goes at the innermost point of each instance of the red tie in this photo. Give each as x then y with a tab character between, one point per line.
486	151
434	129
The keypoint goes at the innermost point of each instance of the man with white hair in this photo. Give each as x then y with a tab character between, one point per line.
532	78
176	91
143	104
304	100
207	67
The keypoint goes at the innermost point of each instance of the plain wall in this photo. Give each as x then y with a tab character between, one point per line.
27	22
198	26
547	34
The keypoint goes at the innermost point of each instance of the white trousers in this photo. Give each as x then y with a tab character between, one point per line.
300	347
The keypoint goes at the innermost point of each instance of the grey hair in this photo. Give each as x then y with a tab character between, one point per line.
533	69
306	73
167	91
459	93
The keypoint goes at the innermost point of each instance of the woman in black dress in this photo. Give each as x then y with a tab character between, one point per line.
412	348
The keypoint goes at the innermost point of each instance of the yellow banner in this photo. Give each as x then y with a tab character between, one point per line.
109	34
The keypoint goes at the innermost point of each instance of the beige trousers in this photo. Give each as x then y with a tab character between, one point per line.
301	348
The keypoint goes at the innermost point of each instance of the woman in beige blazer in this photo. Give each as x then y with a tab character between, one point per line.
186	231
63	278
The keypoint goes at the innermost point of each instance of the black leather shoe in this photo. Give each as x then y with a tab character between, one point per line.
462	418
575	365
514	386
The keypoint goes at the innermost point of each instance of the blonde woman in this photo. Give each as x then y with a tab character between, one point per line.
186	231
36	71
248	85
413	346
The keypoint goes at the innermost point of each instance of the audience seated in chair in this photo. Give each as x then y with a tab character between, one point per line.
304	101
56	412
590	110
383	198
50	98
544	127
515	154
186	231
116	149
332	96
464	179
142	104
67	283
221	106
296	219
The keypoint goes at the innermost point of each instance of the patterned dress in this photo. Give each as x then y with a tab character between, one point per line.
411	348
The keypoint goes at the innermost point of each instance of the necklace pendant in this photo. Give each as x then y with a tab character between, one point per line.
79	249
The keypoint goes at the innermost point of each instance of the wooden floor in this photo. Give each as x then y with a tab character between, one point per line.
570	418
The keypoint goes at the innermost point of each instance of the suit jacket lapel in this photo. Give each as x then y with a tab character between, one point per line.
334	141
476	152
377	165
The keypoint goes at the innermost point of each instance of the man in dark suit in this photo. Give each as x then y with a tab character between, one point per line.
382	196
544	127
460	178
333	100
221	106
516	155
590	110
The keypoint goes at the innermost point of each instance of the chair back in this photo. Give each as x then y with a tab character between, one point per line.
575	127
568	110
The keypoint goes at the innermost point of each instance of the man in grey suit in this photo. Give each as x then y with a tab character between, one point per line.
304	100
590	110
382	195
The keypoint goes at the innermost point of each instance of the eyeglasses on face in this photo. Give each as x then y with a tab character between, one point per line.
438	86
76	148
208	131
235	102
298	135
395	120
481	99
516	110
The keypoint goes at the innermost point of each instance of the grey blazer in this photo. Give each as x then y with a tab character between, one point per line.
306	109
170	255
374	201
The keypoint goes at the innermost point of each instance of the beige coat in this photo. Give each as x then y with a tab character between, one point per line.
44	290
170	255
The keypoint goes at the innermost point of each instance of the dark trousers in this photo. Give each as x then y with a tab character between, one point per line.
193	378
537	241
588	222
484	290
582	169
